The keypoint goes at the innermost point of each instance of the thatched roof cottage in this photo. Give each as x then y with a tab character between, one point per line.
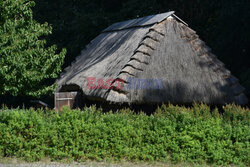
163	58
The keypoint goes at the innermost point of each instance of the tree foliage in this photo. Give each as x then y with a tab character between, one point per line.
27	63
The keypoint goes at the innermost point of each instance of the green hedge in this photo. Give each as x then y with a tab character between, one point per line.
172	133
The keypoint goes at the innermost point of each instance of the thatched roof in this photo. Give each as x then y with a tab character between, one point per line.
154	47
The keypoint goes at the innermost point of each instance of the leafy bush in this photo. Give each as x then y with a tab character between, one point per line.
174	133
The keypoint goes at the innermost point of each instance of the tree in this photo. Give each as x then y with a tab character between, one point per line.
27	63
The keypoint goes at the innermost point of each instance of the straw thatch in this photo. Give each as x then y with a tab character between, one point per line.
159	46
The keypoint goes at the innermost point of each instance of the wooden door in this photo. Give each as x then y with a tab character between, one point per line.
71	99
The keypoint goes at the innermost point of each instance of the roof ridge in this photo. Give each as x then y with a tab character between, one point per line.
139	22
141	56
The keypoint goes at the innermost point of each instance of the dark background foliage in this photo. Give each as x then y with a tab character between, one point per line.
222	24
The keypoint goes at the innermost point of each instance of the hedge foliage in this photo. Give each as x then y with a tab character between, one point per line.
175	134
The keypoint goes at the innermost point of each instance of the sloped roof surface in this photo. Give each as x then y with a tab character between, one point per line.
103	58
